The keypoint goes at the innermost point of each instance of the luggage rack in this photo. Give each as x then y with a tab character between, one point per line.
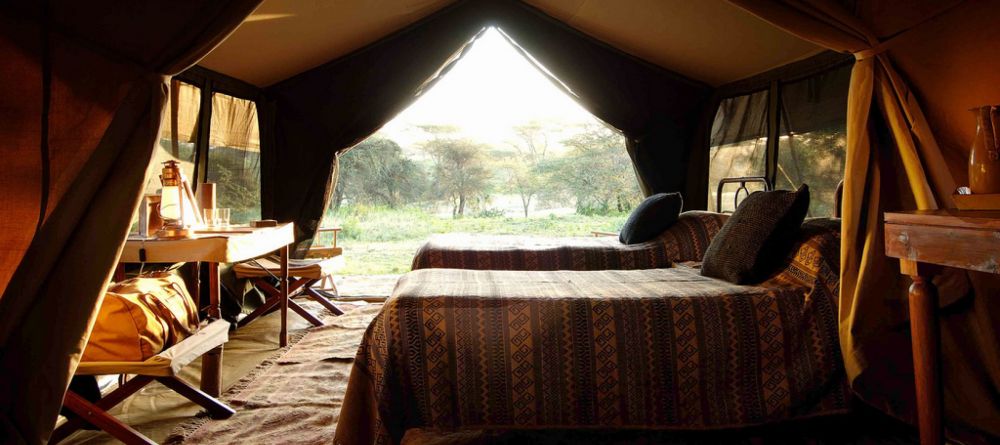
163	367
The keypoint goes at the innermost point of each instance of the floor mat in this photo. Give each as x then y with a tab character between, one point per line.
294	399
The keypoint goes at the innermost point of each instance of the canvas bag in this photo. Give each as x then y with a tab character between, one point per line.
141	317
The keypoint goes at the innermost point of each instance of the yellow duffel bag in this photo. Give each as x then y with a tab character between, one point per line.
141	317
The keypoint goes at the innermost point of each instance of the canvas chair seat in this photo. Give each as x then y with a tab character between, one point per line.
311	268
302	274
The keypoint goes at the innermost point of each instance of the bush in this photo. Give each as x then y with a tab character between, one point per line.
490	213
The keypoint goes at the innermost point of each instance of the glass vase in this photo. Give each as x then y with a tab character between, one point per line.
984	158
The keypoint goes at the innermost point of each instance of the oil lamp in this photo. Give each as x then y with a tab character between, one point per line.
176	204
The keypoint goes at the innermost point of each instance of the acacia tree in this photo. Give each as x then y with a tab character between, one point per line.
597	171
377	171
525	177
460	171
528	181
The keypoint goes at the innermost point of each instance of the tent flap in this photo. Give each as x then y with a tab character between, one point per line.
894	162
89	91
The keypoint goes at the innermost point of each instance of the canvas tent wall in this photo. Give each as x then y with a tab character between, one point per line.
83	91
82	88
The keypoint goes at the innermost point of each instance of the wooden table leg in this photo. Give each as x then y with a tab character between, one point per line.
283	339
211	362
926	342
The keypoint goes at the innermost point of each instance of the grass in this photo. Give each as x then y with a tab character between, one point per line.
382	241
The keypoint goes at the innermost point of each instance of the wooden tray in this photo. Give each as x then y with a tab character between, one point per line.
989	201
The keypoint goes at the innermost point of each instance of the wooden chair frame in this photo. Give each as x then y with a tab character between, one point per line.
296	286
96	413
162	368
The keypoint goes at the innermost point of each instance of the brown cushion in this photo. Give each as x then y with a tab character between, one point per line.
757	237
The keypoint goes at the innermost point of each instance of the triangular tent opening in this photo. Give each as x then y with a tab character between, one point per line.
494	145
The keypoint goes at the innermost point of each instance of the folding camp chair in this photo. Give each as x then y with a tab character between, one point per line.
320	249
302	275
162	367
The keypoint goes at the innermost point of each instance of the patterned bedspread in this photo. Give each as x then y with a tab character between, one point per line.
652	349
686	240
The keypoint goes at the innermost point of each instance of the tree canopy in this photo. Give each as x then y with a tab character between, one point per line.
461	173
542	165
596	172
376	171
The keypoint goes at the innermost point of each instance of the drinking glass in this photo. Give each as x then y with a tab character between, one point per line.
216	217
222	217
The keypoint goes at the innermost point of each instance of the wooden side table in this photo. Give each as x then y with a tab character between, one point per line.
922	240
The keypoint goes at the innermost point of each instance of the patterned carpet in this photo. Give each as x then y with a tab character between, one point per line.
295	398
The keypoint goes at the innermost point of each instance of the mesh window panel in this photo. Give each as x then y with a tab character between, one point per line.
738	146
813	141
234	157
178	133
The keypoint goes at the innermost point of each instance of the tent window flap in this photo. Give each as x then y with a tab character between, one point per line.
234	156
808	117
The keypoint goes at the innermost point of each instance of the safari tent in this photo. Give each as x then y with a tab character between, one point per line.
85	88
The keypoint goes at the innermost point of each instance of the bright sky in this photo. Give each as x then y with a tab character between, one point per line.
492	89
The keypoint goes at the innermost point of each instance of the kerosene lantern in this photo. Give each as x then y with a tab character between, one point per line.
176	204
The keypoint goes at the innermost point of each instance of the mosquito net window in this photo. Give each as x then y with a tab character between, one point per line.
178	132
234	156
738	145
810	123
811	148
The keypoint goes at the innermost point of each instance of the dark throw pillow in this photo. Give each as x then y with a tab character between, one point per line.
651	217
756	238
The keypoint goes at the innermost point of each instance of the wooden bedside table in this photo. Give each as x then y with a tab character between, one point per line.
923	239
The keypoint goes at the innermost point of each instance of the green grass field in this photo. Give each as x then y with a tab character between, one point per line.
383	241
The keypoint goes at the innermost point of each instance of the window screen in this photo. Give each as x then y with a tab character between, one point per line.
177	133
812	145
738	145
234	156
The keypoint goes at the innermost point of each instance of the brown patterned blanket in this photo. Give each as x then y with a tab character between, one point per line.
648	349
686	240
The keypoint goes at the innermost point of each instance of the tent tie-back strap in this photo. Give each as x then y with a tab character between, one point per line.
874	51
887	44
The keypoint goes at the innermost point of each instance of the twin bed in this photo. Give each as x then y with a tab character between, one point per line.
599	346
686	240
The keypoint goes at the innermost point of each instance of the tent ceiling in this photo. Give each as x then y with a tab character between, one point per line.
708	40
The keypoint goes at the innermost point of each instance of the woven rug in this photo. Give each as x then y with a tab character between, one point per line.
294	398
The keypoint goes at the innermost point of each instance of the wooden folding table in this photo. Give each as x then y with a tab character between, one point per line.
230	245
